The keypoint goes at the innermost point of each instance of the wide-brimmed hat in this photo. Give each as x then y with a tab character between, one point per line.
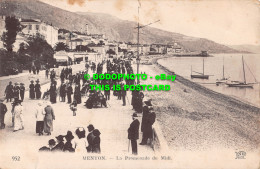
134	115
60	138
91	127
148	102
52	142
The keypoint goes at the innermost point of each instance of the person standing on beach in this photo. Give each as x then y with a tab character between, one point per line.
133	133
48	119
3	110
22	89
9	92
40	114
38	89
31	91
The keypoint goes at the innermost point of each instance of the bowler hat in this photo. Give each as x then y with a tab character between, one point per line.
60	138
31	81
134	115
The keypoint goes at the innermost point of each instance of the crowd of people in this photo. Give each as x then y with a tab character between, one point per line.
79	144
45	115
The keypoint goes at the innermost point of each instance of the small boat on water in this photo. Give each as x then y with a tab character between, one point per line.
223	80
199	75
240	84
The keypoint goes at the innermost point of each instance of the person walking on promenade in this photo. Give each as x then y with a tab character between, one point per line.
22	89
96	141
16	90
18	116
38	89
46	73
133	133
77	94
40	115
63	91
69	92
9	92
31	90
48	119
90	138
53	93
73	107
3	110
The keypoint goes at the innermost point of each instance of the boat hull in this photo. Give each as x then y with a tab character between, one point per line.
200	76
242	85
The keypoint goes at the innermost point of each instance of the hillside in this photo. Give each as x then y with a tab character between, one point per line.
249	48
112	27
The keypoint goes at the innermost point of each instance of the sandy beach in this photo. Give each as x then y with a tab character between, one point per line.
193	117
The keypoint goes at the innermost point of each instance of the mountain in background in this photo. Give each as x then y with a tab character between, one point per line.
248	48
112	27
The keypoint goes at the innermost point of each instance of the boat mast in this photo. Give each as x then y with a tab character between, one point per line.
223	69
191	70
203	66
244	70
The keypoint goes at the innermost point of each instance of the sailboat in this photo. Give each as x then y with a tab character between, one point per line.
223	80
243	84
200	75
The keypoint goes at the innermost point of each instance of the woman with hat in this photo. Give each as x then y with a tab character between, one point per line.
40	115
60	145
38	89
31	90
48	119
96	141
53	93
68	146
22	89
18	116
81	142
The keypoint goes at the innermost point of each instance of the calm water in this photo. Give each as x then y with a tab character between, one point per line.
214	66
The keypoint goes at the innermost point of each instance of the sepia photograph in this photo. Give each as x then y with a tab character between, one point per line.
129	84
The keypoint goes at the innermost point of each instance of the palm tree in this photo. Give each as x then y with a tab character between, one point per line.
60	46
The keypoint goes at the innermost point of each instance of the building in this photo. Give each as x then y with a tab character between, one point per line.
46	31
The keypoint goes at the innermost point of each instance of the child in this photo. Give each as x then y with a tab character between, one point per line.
73	107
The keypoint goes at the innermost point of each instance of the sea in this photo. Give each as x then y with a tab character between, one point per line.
213	66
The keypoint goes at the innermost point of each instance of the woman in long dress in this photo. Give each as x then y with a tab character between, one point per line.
32	91
81	141
53	93
48	120
18	116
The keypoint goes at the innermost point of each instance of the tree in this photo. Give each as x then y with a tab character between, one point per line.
12	26
60	46
39	49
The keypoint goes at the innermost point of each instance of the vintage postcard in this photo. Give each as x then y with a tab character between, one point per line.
129	84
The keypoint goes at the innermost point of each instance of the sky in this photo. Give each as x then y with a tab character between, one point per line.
230	22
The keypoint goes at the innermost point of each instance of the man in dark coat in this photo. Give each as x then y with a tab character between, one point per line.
90	138
31	90
22	89
133	133
53	93
60	145
37	88
3	110
9	92
69	92
77	94
63	91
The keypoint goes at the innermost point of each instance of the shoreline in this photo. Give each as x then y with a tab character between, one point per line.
193	117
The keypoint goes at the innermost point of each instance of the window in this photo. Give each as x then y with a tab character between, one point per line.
30	27
37	27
